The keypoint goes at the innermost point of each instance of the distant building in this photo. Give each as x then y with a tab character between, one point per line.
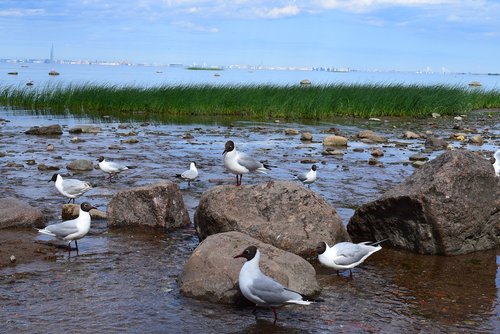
51	59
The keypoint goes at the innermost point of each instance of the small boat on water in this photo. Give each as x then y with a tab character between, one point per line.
53	72
12	73
29	83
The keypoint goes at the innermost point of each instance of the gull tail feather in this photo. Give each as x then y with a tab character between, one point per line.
300	302
44	231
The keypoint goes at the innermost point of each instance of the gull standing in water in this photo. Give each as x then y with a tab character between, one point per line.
261	289
240	163
73	229
346	255
496	165
71	188
112	168
309	177
189	175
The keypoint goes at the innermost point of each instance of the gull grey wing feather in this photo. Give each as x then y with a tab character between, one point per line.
73	186
302	177
63	229
272	292
116	166
348	253
189	174
249	162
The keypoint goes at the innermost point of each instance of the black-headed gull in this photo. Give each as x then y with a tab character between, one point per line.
261	289
189	175
71	188
112	168
346	255
496	165
309	177
73	229
240	163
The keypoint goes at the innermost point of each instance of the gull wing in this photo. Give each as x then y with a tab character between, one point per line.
189	174
73	186
348	253
272	292
248	162
63	229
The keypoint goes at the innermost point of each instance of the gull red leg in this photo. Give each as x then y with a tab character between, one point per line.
76	243
275	315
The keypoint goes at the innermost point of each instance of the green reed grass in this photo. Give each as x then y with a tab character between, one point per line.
253	101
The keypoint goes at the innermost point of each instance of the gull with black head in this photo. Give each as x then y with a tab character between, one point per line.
111	168
261	289
71	188
309	177
346	255
240	163
73	229
189	175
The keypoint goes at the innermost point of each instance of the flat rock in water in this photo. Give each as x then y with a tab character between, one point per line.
158	205
368	136
50	130
211	273
85	129
335	141
284	214
435	143
16	213
449	206
80	165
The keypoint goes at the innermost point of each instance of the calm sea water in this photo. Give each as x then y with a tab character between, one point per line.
155	76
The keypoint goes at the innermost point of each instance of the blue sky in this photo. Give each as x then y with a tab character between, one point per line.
458	35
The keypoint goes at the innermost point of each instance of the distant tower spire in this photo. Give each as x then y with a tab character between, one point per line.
52	54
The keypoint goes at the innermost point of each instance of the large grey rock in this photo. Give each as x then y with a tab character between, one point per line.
156	205
50	130
211	273
284	214
449	206
16	213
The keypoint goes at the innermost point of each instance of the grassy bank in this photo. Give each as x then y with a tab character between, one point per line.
292	102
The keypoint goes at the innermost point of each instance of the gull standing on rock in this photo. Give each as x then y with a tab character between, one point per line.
261	289
240	163
71	188
73	229
189	175
346	255
112	168
309	177
496	165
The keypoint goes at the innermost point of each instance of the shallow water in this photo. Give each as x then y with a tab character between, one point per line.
125	281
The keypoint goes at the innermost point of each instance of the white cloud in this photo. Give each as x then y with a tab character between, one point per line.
277	12
21	12
364	5
195	27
